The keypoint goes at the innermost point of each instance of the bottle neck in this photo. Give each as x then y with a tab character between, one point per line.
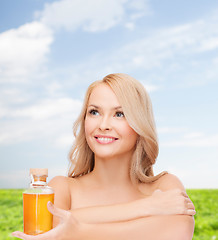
38	180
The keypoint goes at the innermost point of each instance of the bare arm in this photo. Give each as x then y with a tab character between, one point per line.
151	228
171	202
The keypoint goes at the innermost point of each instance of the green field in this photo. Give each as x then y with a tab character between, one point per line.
205	201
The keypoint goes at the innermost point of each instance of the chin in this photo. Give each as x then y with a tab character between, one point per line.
105	155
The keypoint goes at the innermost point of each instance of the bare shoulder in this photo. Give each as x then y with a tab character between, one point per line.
168	182
62	198
60	184
57	181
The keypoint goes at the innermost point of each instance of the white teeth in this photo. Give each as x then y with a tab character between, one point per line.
105	139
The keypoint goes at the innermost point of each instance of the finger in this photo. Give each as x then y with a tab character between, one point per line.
190	206
191	212
56	211
44	236
18	235
189	203
184	194
24	236
188	200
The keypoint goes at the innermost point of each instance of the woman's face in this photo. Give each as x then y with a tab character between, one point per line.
107	132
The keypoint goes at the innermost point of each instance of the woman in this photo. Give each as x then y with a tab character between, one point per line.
111	191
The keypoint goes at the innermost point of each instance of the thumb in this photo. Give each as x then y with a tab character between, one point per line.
56	211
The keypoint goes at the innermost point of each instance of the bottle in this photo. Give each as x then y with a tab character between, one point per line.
36	217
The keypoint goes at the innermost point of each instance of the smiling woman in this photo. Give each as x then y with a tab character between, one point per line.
132	99
111	191
107	132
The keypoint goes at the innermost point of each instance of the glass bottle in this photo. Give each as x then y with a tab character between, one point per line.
36	217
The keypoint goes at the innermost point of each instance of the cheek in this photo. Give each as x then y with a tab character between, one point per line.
87	132
128	132
89	126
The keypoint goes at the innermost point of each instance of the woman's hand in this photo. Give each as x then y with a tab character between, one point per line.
69	227
171	202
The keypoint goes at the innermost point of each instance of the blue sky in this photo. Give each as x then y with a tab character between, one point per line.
50	51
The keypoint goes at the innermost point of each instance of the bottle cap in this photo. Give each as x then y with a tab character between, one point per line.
39	171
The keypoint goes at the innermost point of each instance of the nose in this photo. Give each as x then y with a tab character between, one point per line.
105	123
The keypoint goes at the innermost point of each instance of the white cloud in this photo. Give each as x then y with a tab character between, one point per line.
168	54
46	109
57	171
168	49
163	55
11	95
141	5
169	130
49	119
54	89
14	179
21	178
151	87
65	140
23	50
95	15
185	137
194	135
197	174
130	26
209	44
193	140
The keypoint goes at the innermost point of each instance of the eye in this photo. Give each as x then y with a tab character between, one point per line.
94	112
119	114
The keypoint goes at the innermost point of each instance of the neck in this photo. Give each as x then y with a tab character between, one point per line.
112	171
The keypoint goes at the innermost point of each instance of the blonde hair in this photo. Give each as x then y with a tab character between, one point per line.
138	112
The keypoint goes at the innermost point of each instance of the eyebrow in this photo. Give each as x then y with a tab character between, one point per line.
95	106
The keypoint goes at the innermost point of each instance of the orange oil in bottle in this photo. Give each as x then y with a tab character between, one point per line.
37	219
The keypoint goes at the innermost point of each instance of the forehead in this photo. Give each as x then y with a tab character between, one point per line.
103	95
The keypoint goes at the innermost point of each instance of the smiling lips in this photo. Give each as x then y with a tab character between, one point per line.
105	139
